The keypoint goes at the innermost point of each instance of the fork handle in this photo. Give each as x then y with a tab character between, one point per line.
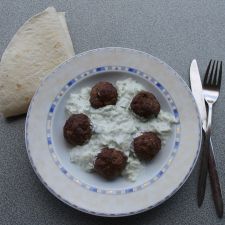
205	158
215	183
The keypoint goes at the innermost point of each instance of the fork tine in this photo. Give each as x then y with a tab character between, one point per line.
207	73
215	75
220	75
211	74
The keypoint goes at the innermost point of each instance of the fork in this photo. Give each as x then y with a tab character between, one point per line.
211	88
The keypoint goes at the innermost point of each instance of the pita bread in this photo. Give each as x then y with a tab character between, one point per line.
42	43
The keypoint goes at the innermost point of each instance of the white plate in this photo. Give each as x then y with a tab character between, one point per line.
48	151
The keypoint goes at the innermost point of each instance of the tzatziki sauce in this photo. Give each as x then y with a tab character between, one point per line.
115	126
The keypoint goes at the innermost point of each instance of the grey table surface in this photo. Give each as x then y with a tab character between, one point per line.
176	31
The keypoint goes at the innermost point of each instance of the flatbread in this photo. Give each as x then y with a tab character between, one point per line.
42	43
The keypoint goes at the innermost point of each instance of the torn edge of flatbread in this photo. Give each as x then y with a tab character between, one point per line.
41	43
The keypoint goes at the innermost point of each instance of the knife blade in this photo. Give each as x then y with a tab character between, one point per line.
196	87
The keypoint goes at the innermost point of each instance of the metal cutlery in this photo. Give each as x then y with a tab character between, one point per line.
196	87
211	88
198	94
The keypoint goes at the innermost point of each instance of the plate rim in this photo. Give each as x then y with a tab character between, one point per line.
117	214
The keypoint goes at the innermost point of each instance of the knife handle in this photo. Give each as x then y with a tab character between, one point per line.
215	183
203	170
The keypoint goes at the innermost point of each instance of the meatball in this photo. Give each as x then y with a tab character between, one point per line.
102	94
147	145
110	163
145	104
77	129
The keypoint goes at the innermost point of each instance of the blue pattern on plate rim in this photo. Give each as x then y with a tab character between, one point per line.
122	69
113	214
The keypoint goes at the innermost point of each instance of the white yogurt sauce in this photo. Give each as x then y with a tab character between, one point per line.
115	126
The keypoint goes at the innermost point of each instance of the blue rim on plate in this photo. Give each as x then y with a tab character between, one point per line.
95	71
132	70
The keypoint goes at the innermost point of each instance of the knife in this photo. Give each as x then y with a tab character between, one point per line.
196	87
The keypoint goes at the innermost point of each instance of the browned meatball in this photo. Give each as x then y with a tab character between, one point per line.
77	129
145	104
147	145
102	94
110	163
